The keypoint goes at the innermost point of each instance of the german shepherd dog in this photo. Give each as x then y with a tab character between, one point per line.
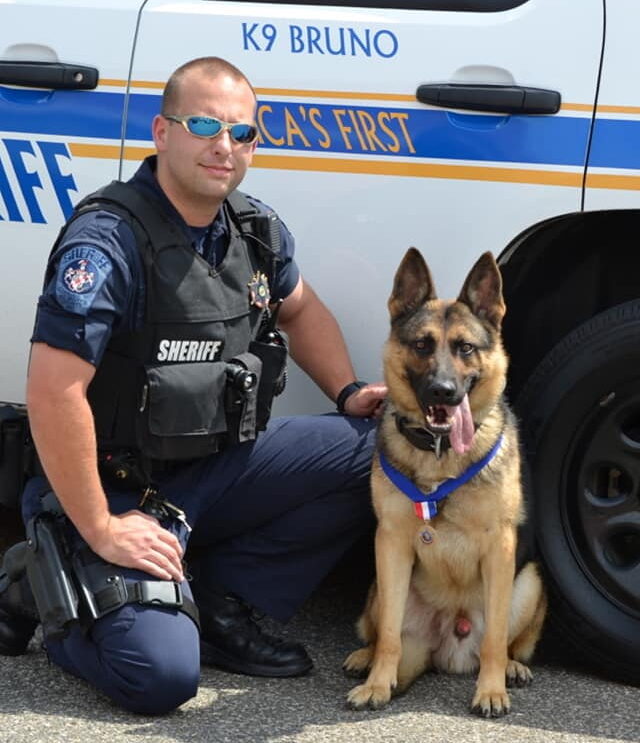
447	595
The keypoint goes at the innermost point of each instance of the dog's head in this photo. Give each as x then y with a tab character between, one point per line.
444	362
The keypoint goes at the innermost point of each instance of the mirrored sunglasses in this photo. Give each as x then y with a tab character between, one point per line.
208	128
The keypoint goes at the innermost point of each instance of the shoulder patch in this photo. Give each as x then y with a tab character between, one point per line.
81	273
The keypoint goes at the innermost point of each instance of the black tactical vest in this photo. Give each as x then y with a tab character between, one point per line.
174	389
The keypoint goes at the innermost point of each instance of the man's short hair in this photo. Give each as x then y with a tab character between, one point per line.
210	67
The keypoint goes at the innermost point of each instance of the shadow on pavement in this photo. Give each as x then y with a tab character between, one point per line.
39	702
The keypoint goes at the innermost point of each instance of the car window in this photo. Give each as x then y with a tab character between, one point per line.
473	6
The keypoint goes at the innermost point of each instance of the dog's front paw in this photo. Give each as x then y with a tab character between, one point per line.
357	664
371	695
518	674
491	703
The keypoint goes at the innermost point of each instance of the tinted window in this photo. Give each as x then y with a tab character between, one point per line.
474	6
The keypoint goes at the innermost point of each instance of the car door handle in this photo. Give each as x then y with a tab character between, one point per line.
511	99
55	75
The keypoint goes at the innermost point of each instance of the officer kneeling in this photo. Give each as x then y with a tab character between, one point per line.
159	344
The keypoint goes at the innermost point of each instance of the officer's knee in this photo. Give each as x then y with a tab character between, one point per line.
145	660
162	690
161	670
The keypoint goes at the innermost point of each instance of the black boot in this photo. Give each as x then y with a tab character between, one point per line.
17	621
15	633
232	640
18	613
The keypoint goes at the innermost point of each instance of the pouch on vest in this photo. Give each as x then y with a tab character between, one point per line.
273	354
182	411
241	402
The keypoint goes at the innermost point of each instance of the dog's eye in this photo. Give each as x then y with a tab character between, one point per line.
466	349
423	346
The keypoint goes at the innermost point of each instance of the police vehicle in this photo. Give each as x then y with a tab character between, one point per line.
456	126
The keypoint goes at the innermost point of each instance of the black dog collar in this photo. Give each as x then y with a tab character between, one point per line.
422	438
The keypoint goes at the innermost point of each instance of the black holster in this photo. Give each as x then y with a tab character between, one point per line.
50	575
72	585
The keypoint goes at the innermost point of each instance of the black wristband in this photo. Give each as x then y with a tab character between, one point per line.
346	392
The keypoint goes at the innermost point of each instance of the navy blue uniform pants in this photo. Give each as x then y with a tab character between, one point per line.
269	519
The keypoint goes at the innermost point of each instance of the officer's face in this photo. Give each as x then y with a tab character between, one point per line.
197	174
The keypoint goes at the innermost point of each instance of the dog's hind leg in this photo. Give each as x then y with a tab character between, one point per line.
415	659
528	609
358	663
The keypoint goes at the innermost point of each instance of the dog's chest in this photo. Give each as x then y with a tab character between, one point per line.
447	554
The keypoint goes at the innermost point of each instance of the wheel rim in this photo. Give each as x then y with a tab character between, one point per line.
601	507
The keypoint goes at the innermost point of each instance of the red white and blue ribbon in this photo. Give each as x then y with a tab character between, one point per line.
425	504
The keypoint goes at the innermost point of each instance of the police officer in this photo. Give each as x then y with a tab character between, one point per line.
147	366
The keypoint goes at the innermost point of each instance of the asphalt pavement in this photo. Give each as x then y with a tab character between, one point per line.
41	704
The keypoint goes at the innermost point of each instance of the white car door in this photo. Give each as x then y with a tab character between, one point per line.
613	180
62	92
451	126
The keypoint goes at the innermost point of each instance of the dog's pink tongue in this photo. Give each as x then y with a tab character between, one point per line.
462	429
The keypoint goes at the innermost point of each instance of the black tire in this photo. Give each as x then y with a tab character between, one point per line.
580	421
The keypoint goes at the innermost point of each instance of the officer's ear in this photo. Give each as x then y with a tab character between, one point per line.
159	129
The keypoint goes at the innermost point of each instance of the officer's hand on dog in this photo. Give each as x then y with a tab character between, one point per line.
367	401
136	540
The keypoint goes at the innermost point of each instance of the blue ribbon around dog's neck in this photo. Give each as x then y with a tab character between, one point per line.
426	503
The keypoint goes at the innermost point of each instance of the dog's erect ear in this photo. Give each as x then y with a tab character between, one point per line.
412	286
482	290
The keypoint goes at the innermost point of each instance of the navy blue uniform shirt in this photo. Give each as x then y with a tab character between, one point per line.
97	286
